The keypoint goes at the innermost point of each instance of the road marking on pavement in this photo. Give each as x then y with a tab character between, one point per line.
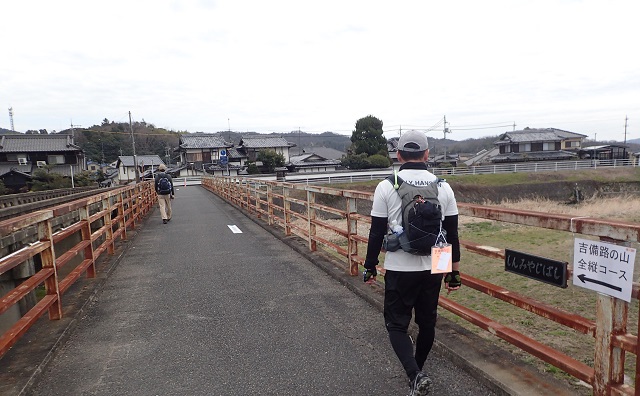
234	228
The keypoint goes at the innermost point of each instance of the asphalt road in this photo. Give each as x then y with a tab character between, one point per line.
193	308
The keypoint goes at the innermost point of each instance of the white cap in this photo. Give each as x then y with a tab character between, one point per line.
413	141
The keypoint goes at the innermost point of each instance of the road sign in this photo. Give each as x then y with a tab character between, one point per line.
604	267
224	160
223	153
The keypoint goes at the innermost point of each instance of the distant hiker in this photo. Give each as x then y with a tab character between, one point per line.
409	284
164	188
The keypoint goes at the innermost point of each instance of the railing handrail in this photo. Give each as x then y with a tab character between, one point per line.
130	204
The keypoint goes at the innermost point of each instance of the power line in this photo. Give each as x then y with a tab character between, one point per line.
473	129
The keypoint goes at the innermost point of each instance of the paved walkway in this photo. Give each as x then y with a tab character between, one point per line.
193	308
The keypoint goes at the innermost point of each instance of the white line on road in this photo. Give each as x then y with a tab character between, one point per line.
234	228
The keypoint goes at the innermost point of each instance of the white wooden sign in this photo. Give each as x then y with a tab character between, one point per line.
604	267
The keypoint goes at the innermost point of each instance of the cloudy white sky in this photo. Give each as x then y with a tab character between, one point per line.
276	66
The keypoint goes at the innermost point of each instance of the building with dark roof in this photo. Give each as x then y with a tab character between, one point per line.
200	151
127	170
26	153
538	144
312	162
251	146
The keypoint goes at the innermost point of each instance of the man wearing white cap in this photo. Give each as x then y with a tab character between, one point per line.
409	284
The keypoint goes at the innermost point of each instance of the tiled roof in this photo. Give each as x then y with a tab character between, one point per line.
265	142
36	143
233	152
6	168
537	135
202	141
146	160
312	159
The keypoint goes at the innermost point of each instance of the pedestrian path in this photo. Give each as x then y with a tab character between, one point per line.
212	304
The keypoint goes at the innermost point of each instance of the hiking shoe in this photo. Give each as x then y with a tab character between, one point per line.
421	385
164	221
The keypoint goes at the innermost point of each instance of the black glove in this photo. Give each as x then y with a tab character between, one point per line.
370	271
452	279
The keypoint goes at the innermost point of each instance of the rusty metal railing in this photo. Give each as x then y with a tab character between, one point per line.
296	209
64	250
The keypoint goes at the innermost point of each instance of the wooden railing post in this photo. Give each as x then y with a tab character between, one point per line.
287	210
611	319
121	215
86	236
270	204
106	204
48	258
352	229
311	215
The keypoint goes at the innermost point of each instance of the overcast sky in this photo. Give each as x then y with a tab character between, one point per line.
278	66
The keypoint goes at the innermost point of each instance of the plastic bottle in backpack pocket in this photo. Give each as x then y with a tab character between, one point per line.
391	242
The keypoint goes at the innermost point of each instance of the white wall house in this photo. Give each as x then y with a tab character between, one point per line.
127	170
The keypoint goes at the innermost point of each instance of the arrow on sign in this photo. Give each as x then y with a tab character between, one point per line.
584	279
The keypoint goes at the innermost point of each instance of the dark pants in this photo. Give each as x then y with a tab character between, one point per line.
405	292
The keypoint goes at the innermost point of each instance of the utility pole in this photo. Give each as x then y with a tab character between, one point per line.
133	141
514	125
445	131
625	129
73	132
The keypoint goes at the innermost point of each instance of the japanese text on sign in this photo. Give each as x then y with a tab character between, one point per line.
604	267
535	267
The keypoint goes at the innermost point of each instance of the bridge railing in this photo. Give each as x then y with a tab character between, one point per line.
297	209
54	247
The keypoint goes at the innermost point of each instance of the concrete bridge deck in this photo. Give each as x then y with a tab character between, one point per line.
192	308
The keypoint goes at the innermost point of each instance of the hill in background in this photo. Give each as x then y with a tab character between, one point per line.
111	139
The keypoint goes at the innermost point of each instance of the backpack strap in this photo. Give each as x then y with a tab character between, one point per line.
395	180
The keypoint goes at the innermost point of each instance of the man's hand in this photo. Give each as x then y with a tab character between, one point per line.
173	196
370	272
452	281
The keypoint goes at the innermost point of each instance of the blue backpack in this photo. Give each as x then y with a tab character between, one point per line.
164	185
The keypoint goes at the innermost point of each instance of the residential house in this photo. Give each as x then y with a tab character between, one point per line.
538	144
127	170
201	149
16	181
251	146
312	162
441	160
26	153
326	152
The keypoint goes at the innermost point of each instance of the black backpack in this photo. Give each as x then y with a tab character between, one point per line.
164	185
421	217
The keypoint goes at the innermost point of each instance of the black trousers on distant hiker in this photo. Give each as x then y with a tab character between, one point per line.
404	293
